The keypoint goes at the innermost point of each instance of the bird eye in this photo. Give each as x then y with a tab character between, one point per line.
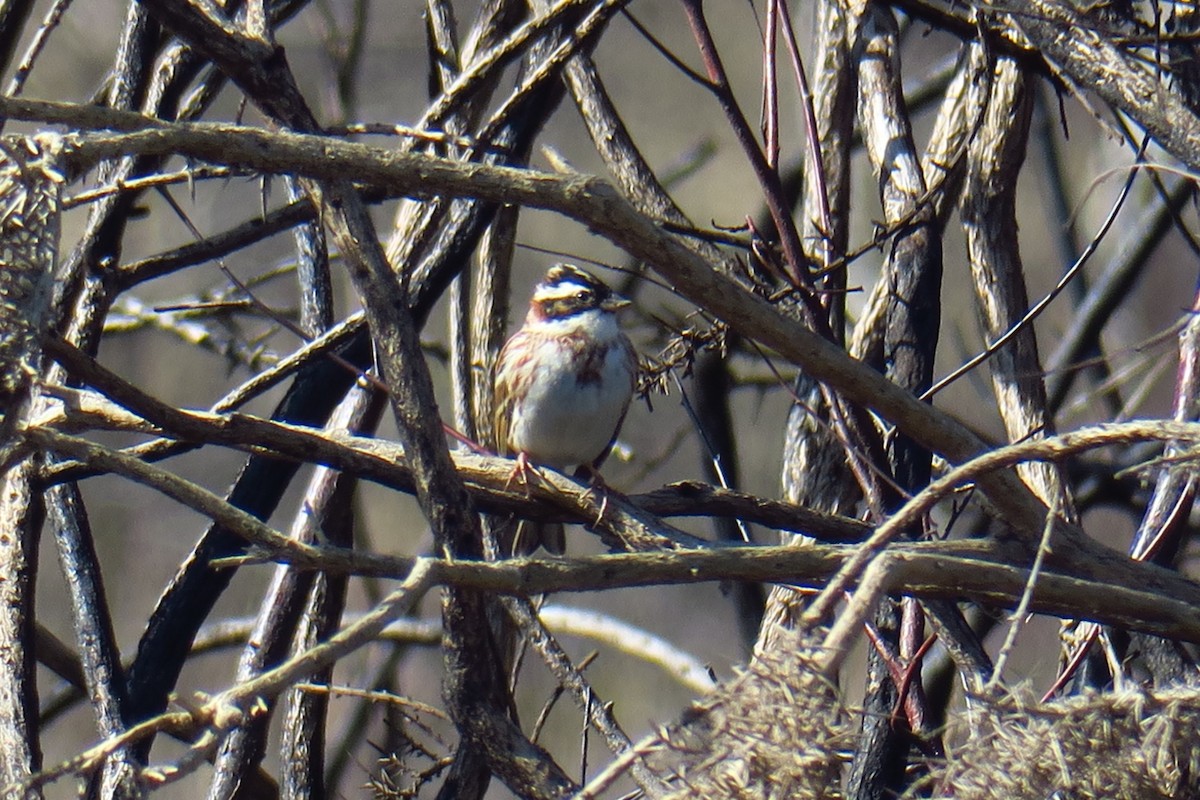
585	295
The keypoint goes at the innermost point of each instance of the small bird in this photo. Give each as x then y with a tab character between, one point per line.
563	383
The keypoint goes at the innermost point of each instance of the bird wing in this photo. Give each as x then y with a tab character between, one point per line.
631	355
503	396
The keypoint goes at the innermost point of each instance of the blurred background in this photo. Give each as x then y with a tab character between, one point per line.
143	537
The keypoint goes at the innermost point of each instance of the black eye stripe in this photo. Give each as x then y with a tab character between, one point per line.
561	308
567	290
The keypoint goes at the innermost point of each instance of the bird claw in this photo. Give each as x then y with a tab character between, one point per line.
596	488
523	469
603	508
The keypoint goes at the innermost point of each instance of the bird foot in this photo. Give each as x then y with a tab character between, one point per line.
523	469
596	488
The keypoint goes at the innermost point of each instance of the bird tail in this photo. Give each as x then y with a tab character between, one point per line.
530	535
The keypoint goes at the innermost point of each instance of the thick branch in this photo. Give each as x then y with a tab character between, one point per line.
596	204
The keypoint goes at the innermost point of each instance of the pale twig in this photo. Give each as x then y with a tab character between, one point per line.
634	641
618	766
1022	608
384	462
373	696
604	629
229	708
808	567
597	713
1037	308
873	550
189	176
36	47
1153	600
185	492
601	207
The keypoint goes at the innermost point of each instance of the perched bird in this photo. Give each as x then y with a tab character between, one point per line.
563	384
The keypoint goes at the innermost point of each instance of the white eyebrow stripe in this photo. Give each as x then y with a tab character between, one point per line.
561	291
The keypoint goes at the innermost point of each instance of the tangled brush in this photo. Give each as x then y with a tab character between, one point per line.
774	731
1117	745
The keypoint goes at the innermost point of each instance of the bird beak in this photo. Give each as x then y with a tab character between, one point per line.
614	303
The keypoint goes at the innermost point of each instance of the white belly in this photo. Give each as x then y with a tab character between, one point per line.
565	423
